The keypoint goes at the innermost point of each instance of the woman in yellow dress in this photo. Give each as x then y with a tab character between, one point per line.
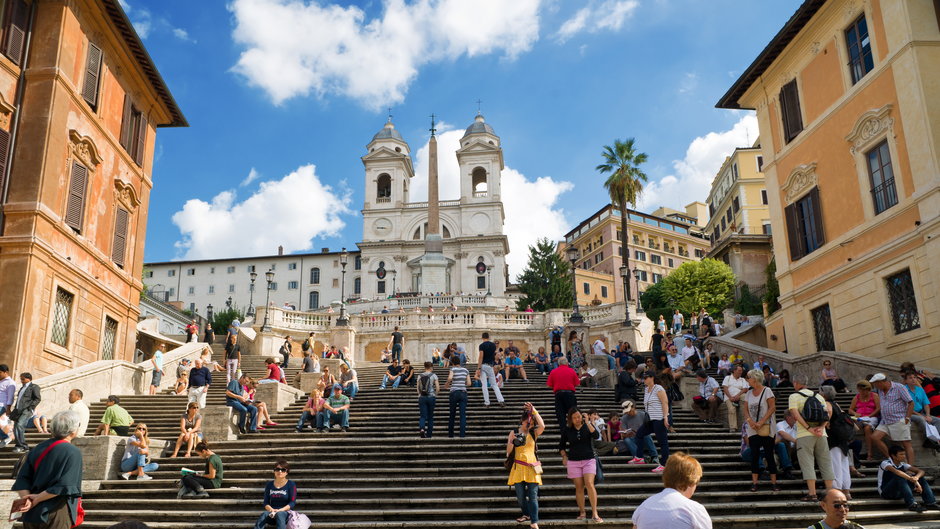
526	472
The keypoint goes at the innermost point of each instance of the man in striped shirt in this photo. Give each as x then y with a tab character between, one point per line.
457	382
897	406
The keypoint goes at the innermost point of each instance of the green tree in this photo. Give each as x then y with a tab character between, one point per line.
747	303
707	284
773	288
656	301
624	183
222	319
546	281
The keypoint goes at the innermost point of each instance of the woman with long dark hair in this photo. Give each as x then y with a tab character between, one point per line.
526	471
577	454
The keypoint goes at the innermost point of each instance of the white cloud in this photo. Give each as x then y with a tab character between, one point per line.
694	173
688	83
531	206
291	212
252	176
597	16
293	48
182	34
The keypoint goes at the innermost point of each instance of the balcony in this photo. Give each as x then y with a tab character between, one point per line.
383	200
479	194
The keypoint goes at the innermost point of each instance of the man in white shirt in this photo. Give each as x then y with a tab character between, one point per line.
77	405
600	348
674	506
785	443
734	387
157	361
678	320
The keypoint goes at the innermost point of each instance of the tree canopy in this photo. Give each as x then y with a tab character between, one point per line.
546	281
707	284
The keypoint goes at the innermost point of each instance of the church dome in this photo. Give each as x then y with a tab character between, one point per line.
388	132
479	126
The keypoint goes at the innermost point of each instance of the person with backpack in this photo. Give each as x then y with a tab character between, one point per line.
812	447
307	344
428	388
840	432
525	469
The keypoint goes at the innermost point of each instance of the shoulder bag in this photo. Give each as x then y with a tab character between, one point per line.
79	511
763	431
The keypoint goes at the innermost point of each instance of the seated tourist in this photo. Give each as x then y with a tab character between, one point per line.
785	443
612	429
312	412
349	380
182	383
769	376
898	480
408	377
709	397
724	366
543	364
514	367
235	398
674	507
601	442
326	380
280	496
709	351
336	409
194	485
626	385
630	423
675	362
136	454
392	374
586	376
866	409
115	418
784	379
736	357
836	507
830	377
386	356
436	356
310	363
921	416
275	374
263	416
190	430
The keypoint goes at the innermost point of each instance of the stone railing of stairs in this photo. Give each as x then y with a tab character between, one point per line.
380	475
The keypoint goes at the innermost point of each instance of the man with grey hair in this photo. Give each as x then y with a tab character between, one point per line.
812	444
897	406
734	387
51	473
199	380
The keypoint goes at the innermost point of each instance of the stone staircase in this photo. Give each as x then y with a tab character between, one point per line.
380	474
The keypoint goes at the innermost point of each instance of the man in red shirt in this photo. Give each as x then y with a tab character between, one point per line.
563	380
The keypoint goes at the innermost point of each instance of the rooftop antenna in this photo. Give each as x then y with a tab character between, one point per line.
433	130
479	102
389	114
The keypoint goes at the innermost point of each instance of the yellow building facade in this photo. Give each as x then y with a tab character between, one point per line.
847	101
656	247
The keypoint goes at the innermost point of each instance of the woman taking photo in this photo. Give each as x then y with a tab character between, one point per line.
136	451
526	472
190	430
280	496
656	404
577	454
761	427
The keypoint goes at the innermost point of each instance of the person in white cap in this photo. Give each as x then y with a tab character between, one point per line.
897	406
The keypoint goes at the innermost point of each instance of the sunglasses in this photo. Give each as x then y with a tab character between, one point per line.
279	469
841	505
141	429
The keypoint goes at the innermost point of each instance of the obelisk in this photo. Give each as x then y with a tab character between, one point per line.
433	262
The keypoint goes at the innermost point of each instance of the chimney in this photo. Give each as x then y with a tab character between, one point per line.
324	250
280	250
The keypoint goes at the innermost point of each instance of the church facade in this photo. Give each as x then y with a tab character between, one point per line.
395	228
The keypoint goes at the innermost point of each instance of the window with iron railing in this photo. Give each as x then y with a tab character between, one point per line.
858	45
901	294
62	316
822	328
881	175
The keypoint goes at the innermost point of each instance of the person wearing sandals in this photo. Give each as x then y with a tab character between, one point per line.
190	430
759	423
526	471
134	462
280	496
656	404
812	447
674	507
577	454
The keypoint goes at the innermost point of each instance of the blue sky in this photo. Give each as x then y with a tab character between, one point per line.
283	95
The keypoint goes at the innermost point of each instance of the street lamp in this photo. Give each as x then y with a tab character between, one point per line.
489	280
636	274
209	312
394	276
269	277
343	321
573	255
625	275
228	303
251	294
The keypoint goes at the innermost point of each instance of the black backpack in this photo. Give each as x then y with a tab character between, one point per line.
424	384
841	428
306	345
814	412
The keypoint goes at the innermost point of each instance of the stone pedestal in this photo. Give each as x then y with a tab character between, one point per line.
344	337
433	269
101	455
218	424
688	385
605	377
306	382
277	396
333	364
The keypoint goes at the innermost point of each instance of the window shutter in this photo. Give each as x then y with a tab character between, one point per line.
16	31
92	74
118	249
790	103
75	207
4	152
817	217
793	232
126	123
141	139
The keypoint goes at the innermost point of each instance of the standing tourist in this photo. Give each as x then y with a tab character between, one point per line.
661	324
233	357
192	332
280	496
759	422
77	405
897	406
209	334
285	351
114	418
136	455
428	388
563	380
27	398
49	482
656	347
157	361
674	507
458	380
486	359
7	390
199	380
812	446
577	454
396	343
656	404
678	320
840	434
195	485
575	350
526	471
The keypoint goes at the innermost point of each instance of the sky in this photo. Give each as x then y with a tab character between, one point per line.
282	97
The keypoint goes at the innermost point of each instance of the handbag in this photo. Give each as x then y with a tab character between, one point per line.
296	520
932	433
79	510
763	431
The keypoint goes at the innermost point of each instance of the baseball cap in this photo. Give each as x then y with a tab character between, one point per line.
648	374
627	405
337	386
877	377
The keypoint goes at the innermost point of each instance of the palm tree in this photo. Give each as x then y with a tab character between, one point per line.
624	184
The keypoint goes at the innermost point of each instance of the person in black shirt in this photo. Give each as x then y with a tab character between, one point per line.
396	343
577	454
407	373
392	374
656	346
485	372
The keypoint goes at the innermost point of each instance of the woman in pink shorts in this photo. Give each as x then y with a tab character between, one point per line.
577	454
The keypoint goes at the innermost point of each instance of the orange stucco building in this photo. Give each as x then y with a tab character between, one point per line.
80	102
847	96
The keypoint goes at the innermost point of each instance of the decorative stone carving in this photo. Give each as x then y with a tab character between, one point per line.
6	112
801	179
84	149
850	11
815	47
870	127
126	194
498	253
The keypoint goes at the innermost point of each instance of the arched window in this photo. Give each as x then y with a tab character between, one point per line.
314	276
357	286
478	180
383	186
314	300
420	231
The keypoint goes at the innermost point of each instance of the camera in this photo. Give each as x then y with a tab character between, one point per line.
519	439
